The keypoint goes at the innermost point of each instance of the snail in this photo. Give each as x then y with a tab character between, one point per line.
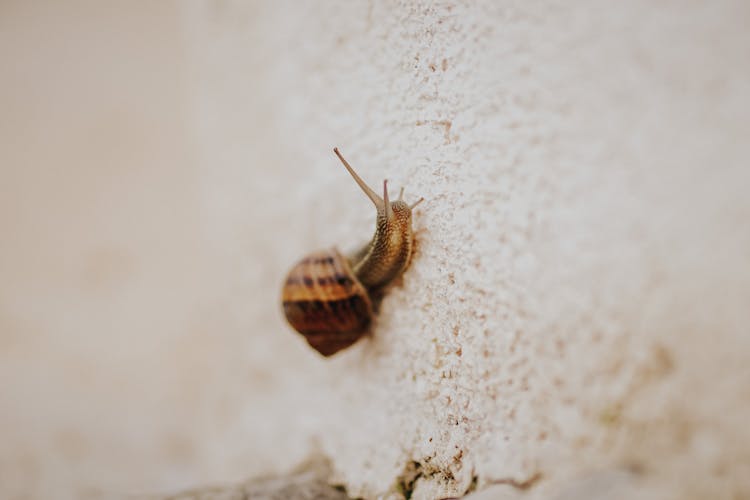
328	297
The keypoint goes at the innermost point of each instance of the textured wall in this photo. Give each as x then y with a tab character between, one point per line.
575	318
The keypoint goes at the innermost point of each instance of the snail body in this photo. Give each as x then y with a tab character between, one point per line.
327	296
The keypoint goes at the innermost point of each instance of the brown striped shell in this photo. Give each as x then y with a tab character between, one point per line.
325	302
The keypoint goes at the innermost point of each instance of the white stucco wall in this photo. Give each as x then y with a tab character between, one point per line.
575	317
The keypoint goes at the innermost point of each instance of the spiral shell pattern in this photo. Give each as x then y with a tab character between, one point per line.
325	302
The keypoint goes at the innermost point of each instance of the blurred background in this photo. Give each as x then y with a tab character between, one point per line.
115	348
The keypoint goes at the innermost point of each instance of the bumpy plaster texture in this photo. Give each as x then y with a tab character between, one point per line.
574	322
577	299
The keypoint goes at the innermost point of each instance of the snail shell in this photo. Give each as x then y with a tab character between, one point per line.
327	296
325	302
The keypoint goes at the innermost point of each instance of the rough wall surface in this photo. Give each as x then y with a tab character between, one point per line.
575	318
